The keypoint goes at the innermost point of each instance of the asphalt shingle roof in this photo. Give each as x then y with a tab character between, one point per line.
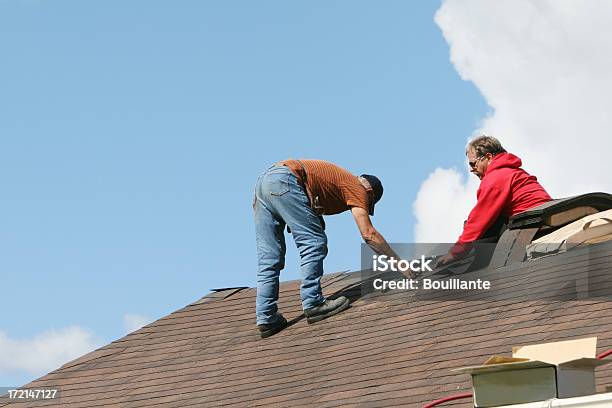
392	350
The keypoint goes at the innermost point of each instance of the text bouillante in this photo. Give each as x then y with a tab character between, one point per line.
430	284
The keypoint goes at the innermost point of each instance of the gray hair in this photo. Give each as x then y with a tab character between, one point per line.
485	144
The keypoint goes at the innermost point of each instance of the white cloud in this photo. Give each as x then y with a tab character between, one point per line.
46	351
545	69
133	322
51	349
446	194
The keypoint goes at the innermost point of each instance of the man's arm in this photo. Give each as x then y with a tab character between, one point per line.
489	206
370	235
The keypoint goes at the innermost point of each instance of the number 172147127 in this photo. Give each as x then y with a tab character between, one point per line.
13	394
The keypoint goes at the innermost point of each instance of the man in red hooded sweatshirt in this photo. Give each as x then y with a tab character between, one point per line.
505	190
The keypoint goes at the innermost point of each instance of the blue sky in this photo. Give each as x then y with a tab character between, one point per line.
131	135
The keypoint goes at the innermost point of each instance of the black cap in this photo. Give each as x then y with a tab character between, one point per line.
377	190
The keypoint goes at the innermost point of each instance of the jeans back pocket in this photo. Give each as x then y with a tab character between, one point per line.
278	182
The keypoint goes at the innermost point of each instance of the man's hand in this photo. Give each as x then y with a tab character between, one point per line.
445	260
408	274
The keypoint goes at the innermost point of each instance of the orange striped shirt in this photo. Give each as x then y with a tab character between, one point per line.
330	188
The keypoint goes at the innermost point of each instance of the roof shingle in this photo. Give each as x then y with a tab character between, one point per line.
390	350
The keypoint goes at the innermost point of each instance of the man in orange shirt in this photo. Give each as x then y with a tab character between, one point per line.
296	194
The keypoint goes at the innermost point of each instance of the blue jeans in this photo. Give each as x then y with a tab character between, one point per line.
280	201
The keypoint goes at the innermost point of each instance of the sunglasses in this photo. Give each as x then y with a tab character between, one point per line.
473	163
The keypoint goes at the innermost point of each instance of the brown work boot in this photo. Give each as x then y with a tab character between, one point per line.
267	330
326	309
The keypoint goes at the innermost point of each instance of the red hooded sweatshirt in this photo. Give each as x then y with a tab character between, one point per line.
505	189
